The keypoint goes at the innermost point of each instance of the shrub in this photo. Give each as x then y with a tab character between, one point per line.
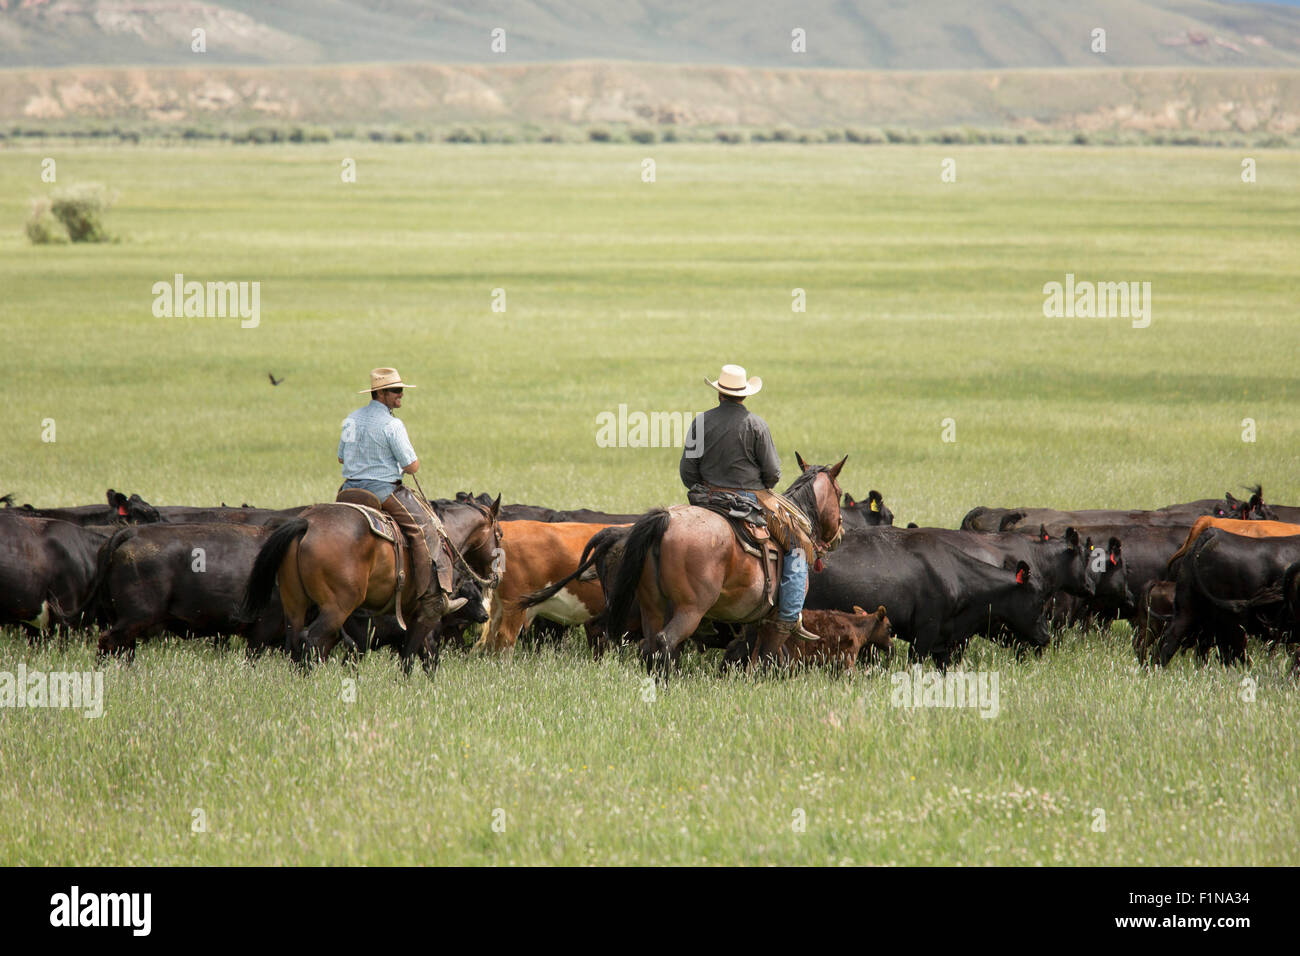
642	136
598	134
80	209
42	228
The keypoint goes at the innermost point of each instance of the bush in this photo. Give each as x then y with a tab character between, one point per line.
729	136
42	228
75	212
642	136
598	134
80	209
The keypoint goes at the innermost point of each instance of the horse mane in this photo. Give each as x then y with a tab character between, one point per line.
803	495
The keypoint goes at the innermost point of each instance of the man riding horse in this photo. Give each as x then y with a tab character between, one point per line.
730	449
375	452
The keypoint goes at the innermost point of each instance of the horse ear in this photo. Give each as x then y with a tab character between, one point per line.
496	507
835	468
858	610
803	465
880	612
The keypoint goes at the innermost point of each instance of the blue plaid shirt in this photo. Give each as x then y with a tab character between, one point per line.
374	446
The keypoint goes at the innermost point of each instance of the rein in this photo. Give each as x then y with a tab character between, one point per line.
488	582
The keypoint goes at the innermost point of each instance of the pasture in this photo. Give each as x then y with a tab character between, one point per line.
924	303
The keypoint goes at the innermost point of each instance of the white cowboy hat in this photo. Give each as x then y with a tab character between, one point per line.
732	381
384	378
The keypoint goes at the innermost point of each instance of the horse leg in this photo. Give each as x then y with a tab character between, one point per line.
295	602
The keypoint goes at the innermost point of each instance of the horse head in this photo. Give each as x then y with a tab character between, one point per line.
816	492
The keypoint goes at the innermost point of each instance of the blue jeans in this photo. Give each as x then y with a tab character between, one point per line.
380	489
794	585
794	579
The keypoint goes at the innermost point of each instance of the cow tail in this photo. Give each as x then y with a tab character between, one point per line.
96	600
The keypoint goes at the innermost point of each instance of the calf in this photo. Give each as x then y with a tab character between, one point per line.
841	638
1155	610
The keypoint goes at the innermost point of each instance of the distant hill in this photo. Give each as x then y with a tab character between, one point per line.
841	34
654	95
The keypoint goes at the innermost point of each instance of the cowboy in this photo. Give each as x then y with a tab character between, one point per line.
375	452
729	448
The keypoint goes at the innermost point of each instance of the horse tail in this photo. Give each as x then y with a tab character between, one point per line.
257	593
94	602
644	536
596	546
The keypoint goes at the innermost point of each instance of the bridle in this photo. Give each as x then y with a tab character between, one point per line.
498	556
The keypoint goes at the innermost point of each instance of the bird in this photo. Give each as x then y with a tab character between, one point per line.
274	380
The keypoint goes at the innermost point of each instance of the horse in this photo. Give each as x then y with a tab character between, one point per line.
328	558
684	564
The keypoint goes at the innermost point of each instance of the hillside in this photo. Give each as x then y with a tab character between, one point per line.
841	34
655	95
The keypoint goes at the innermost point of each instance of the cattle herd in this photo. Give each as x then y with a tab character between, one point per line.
1207	575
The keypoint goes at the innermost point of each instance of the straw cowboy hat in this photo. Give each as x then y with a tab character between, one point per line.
732	382
384	378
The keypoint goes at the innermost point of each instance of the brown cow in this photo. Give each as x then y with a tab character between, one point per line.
1247	529
537	554
1154	612
843	635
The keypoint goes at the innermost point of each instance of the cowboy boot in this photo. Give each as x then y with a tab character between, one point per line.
795	628
433	601
435	598
437	601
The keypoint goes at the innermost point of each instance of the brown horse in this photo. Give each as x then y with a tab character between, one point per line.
684	564
327	558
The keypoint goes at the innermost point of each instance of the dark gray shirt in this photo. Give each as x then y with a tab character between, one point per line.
730	447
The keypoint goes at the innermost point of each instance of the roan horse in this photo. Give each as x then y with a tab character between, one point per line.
684	564
329	559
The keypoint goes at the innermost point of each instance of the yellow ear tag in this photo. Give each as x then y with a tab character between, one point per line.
875	505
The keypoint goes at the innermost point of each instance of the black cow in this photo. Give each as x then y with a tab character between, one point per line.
1028	519
1229	587
266	517
119	509
1135	556
183	579
1058	564
47	570
937	597
869	514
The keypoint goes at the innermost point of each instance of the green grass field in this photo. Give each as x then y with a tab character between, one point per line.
924	302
